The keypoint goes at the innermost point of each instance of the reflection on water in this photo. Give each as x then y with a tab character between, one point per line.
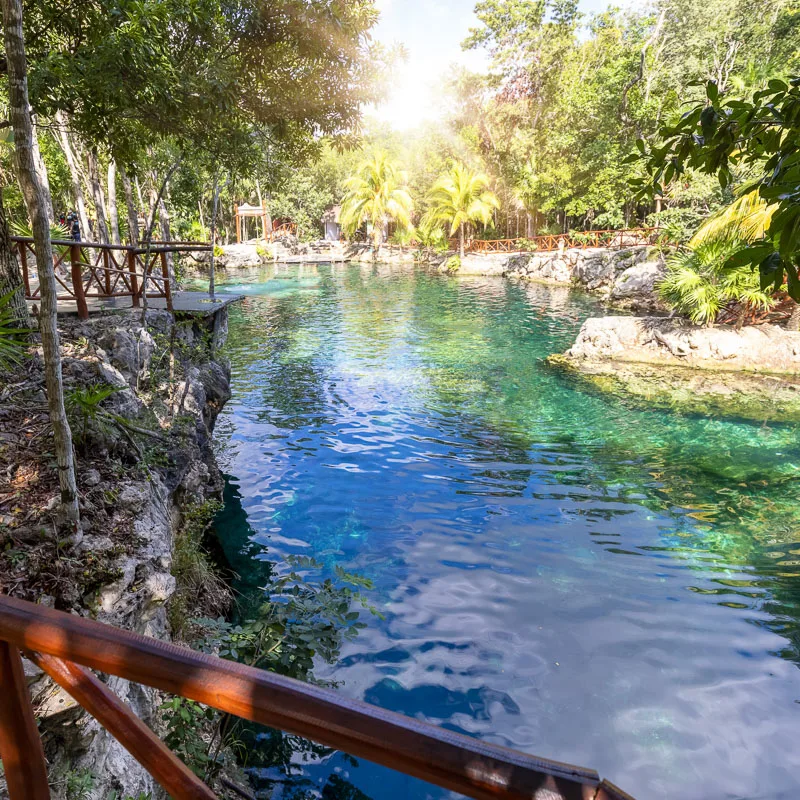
559	572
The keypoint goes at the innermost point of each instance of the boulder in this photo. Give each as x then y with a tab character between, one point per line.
638	281
236	256
662	340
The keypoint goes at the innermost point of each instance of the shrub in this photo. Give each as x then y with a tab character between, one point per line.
453	264
697	283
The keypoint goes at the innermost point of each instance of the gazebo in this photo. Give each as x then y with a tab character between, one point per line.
241	214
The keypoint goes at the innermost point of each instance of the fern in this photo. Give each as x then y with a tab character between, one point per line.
83	405
696	284
13	339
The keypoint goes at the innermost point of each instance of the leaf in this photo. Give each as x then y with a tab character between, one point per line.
712	91
771	271
793	282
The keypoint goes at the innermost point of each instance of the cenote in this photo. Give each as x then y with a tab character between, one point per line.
557	570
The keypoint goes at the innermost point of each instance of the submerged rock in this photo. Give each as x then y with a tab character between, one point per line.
753	373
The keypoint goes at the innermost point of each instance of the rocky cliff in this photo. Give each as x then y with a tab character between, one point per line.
144	457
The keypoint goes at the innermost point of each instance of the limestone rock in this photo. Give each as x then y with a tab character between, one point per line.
91	478
639	280
236	256
661	340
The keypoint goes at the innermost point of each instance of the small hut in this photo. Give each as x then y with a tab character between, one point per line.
330	223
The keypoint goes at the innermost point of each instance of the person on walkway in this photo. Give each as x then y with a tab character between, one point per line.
74	226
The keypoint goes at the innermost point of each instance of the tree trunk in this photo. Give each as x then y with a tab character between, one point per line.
97	197
261	203
793	323
74	172
166	235
214	207
36	195
461	241
133	216
10	277
113	214
41	168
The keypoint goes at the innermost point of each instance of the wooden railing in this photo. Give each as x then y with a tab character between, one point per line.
65	645
629	237
91	269
282	231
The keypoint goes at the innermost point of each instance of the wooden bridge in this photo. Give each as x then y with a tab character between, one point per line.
67	647
105	271
611	239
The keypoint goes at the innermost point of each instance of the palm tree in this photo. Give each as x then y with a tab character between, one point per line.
698	284
461	197
376	194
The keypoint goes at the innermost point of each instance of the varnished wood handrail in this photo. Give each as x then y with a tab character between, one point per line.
475	768
20	745
93	695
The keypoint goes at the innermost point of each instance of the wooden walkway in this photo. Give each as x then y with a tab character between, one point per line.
91	271
198	304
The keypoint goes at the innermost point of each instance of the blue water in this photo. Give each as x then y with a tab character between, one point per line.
558	571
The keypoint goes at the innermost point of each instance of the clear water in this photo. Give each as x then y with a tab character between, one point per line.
560	572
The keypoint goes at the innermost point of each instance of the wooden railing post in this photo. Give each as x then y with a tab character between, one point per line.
107	273
134	280
23	262
77	281
93	695
20	746
165	275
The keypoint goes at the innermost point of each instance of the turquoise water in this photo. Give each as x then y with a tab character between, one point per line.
558	571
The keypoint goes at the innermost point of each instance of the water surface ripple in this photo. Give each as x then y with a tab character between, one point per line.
560	572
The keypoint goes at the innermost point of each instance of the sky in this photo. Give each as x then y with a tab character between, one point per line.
432	32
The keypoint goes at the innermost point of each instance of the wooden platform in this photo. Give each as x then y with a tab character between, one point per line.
194	303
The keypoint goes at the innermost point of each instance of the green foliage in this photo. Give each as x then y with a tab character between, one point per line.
185	721
722	134
679	224
460	198
13	339
79	784
377	194
198	583
453	264
83	406
698	284
302	619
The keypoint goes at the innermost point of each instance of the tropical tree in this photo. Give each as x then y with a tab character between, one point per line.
698	285
722	135
460	198
377	194
36	192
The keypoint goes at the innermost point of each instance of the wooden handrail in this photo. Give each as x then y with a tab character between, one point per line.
475	768
554	241
126	727
156	246
105	272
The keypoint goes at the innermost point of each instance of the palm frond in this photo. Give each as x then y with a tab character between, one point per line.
745	219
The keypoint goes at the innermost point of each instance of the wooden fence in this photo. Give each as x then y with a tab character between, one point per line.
90	269
630	237
66	647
